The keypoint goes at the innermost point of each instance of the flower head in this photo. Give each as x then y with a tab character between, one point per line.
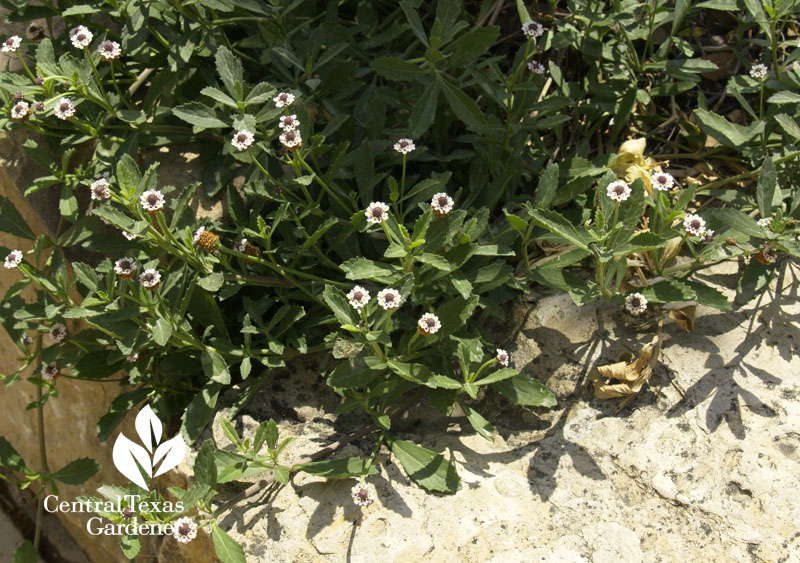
50	372
758	71
377	212
150	279
80	37
125	267
126	513
58	333
503	357
38	81
288	122
39	106
129	236
185	529
100	189
13	259
242	140
135	357
11	44
442	204
636	303
205	239
109	50
404	146
358	297
27	340
532	29
363	494
767	255
618	190
708	235
283	100
694	225
662	181
152	201
245	247
64	109
291	139
428	324
536	67
20	111
389	299
765	223
36	32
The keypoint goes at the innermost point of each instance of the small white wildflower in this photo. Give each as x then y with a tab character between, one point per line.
765	223
185	529
100	189
619	191
694	225
242	140
109	50
358	297
58	333
536	67
64	109
129	236
50	372
389	299
503	357
708	235
150	279
283	100
80	37
291	139
152	201
758	71
442	204
404	146
363	493
13	259
11	44
288	122
135	357
532	29
377	212
20	110
662	181
125	267
241	246
636	303
428	324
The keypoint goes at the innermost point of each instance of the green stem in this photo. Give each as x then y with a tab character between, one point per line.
402	188
473	377
322	183
25	66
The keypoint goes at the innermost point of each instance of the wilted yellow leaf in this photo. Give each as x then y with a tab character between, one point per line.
631	163
685	317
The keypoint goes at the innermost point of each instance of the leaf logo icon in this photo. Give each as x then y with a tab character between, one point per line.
134	460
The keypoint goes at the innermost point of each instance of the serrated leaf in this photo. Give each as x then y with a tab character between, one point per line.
9	457
78	471
230	71
729	134
337	302
428	469
162	331
767	185
523	390
396	69
219	96
202	117
11	221
200	411
480	424
226	548
557	224
130	545
212	282
464	107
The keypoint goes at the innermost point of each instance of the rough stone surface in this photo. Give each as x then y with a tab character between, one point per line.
703	465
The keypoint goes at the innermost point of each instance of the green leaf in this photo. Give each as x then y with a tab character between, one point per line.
119	408
729	134
337	302
419	373
548	184
363	269
424	112
205	466
525	391
202	117
767	184
669	291
472	45
162	331
480	424
429	469
130	545
499	375
212	282
281	474
754	279
267	432
78	471
230	71
709	296
339	468
623	111
86	275
219	96
95	365
517	223
789	125
396	69
11	221
435	261
25	553
410	10
738	221
200	411
759	16
557	224
229	430
524	16
455	312
128	175
353	373
115	217
214	366
9	457
226	547
463	106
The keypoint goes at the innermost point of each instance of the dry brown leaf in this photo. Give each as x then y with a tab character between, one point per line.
631	375
684	317
671	250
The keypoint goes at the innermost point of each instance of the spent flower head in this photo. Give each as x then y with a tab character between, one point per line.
205	239
50	372
442	204
502	357
636	303
125	267
428	324
100	189
283	100
532	29
64	109
662	181
11	44
291	139
758	71
58	333
694	225
152	201
389	299
363	493
618	190
358	297
242	140
708	235
20	111
80	37
13	259
288	122
377	212
404	146
109	50
536	67
185	529
767	254
150	279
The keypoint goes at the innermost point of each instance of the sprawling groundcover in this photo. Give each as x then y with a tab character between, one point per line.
394	175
